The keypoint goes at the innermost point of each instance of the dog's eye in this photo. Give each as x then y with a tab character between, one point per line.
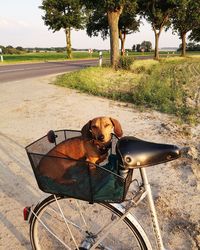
107	125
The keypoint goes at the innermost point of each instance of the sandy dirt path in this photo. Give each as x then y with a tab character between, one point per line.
30	108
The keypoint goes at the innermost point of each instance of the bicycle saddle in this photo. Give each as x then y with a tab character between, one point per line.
134	153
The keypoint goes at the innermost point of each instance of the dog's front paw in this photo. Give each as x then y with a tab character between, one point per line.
92	167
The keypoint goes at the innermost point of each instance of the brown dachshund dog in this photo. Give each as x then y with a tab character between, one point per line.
91	146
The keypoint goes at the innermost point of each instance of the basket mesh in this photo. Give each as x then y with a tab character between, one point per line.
102	184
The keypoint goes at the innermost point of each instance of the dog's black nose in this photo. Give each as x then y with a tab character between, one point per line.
101	137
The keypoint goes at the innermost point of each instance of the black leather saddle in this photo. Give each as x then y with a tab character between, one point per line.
135	153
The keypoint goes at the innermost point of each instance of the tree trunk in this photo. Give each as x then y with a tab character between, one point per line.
156	52
157	33
183	38
113	19
122	47
122	38
68	42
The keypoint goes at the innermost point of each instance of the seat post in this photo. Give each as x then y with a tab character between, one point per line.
152	208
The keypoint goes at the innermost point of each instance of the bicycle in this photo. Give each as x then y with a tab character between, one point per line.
91	214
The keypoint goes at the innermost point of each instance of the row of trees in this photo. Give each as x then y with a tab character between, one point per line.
11	50
145	46
20	50
117	18
190	47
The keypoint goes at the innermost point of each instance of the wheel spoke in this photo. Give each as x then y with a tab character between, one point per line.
66	223
61	223
50	231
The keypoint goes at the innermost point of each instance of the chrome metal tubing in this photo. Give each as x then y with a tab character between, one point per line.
154	217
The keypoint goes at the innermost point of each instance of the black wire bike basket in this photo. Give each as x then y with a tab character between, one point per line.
102	185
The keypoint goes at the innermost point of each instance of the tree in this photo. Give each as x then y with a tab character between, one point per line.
157	13
10	50
63	14
21	49
190	47
185	18
98	23
113	10
127	23
146	45
138	47
193	47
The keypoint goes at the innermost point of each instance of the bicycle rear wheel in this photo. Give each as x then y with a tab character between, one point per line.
66	223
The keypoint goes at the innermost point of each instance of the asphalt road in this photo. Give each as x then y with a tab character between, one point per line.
17	72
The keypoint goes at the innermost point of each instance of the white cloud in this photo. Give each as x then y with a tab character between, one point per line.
8	23
3	23
23	24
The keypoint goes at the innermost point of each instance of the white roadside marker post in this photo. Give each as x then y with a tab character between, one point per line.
100	58
1	55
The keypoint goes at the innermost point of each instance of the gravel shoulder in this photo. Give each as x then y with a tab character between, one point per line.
30	108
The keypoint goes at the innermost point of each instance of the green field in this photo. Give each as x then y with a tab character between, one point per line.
170	85
45	56
61	56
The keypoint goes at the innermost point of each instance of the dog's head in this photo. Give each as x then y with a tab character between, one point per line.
100	129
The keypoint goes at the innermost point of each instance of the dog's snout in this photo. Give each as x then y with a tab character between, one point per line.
101	137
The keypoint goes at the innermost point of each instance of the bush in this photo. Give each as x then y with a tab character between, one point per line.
125	62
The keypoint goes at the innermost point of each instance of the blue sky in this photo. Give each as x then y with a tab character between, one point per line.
21	25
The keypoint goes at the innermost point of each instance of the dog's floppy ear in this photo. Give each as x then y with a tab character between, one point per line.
117	127
86	131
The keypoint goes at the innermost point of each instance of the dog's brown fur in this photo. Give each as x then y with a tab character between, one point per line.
96	135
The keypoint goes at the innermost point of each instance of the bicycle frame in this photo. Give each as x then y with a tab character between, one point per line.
154	218
145	192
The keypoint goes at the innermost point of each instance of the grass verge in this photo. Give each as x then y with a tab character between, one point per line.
171	85
101	82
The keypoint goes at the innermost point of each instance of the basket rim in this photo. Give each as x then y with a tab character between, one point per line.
70	130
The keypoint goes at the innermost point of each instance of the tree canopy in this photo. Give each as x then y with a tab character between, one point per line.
128	22
157	13
63	14
98	23
146	46
185	18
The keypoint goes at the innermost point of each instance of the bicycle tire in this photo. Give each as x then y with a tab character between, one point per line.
124	237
